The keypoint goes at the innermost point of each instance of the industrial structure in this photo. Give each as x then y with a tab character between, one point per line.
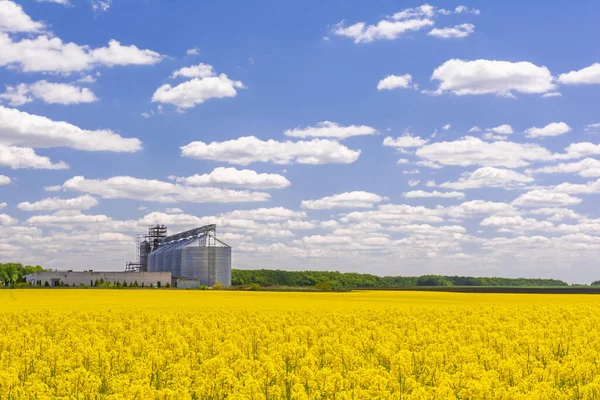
96	278
196	255
186	260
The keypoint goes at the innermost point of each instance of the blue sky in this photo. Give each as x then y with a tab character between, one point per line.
453	138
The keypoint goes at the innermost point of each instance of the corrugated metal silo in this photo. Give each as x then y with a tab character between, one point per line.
207	264
176	257
158	258
151	264
167	262
144	250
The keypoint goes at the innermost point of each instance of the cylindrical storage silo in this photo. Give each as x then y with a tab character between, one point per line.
221	256
151	264
168	257
176	257
194	264
158	258
144	250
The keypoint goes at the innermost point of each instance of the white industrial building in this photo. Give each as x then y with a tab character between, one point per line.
91	278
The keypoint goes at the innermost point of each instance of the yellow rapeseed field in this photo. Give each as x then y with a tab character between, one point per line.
168	344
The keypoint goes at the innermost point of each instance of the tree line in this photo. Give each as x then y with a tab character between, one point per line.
268	277
13	273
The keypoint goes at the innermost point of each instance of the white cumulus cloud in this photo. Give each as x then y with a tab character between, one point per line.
233	177
410	19
416	194
84	202
488	177
20	128
588	167
13	19
405	141
126	187
588	75
492	77
396	82
331	130
474	151
249	149
25	157
357	199
455	32
545	198
196	91
51	93
50	54
552	129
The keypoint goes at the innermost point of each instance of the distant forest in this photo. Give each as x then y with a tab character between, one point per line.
12	273
268	277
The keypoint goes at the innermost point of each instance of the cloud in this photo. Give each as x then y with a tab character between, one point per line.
5	180
87	79
395	214
174	210
552	129
249	149
100	6
488	177
193	52
13	19
410	19
126	187
504	129
552	94
556	213
588	167
239	178
24	157
84	202
265	214
357	199
50	54
545	198
446	127
20	128
196	91
579	150
477	208
456	32
516	223
492	77
6	220
592	127
443	195
473	151
332	130
588	75
61	2
51	93
405	141
396	82
195	71
572	188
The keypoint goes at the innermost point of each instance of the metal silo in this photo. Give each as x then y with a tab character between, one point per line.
144	250
158	258
151	264
167	262
208	264
176	257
